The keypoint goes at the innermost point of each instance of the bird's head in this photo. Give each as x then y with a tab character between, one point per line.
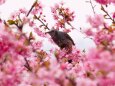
52	32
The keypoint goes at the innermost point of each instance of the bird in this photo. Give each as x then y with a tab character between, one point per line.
62	39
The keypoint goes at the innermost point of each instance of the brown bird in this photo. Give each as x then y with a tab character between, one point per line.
62	39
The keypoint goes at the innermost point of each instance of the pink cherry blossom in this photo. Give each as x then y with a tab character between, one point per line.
104	2
24	11
2	2
96	20
37	45
37	9
89	32
40	33
26	20
31	23
24	62
114	15
62	15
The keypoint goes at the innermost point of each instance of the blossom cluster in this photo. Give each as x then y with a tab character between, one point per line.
2	2
105	2
62	15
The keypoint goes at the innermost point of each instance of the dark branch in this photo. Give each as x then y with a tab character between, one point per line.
103	9
31	8
27	65
92	6
41	22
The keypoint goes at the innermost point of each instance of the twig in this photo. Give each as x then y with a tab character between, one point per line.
31	8
19	26
71	25
18	23
19	18
92	6
27	65
6	23
103	9
41	22
4	60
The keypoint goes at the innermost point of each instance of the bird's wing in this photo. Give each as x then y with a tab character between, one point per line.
68	37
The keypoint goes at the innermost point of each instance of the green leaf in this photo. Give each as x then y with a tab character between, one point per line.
31	37
11	22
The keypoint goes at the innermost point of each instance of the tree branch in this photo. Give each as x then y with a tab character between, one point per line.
41	22
103	9
92	6
27	65
31	8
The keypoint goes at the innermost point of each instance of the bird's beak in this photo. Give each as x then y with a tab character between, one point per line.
47	32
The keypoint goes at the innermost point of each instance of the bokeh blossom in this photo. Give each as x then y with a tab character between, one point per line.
24	62
2	2
105	2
